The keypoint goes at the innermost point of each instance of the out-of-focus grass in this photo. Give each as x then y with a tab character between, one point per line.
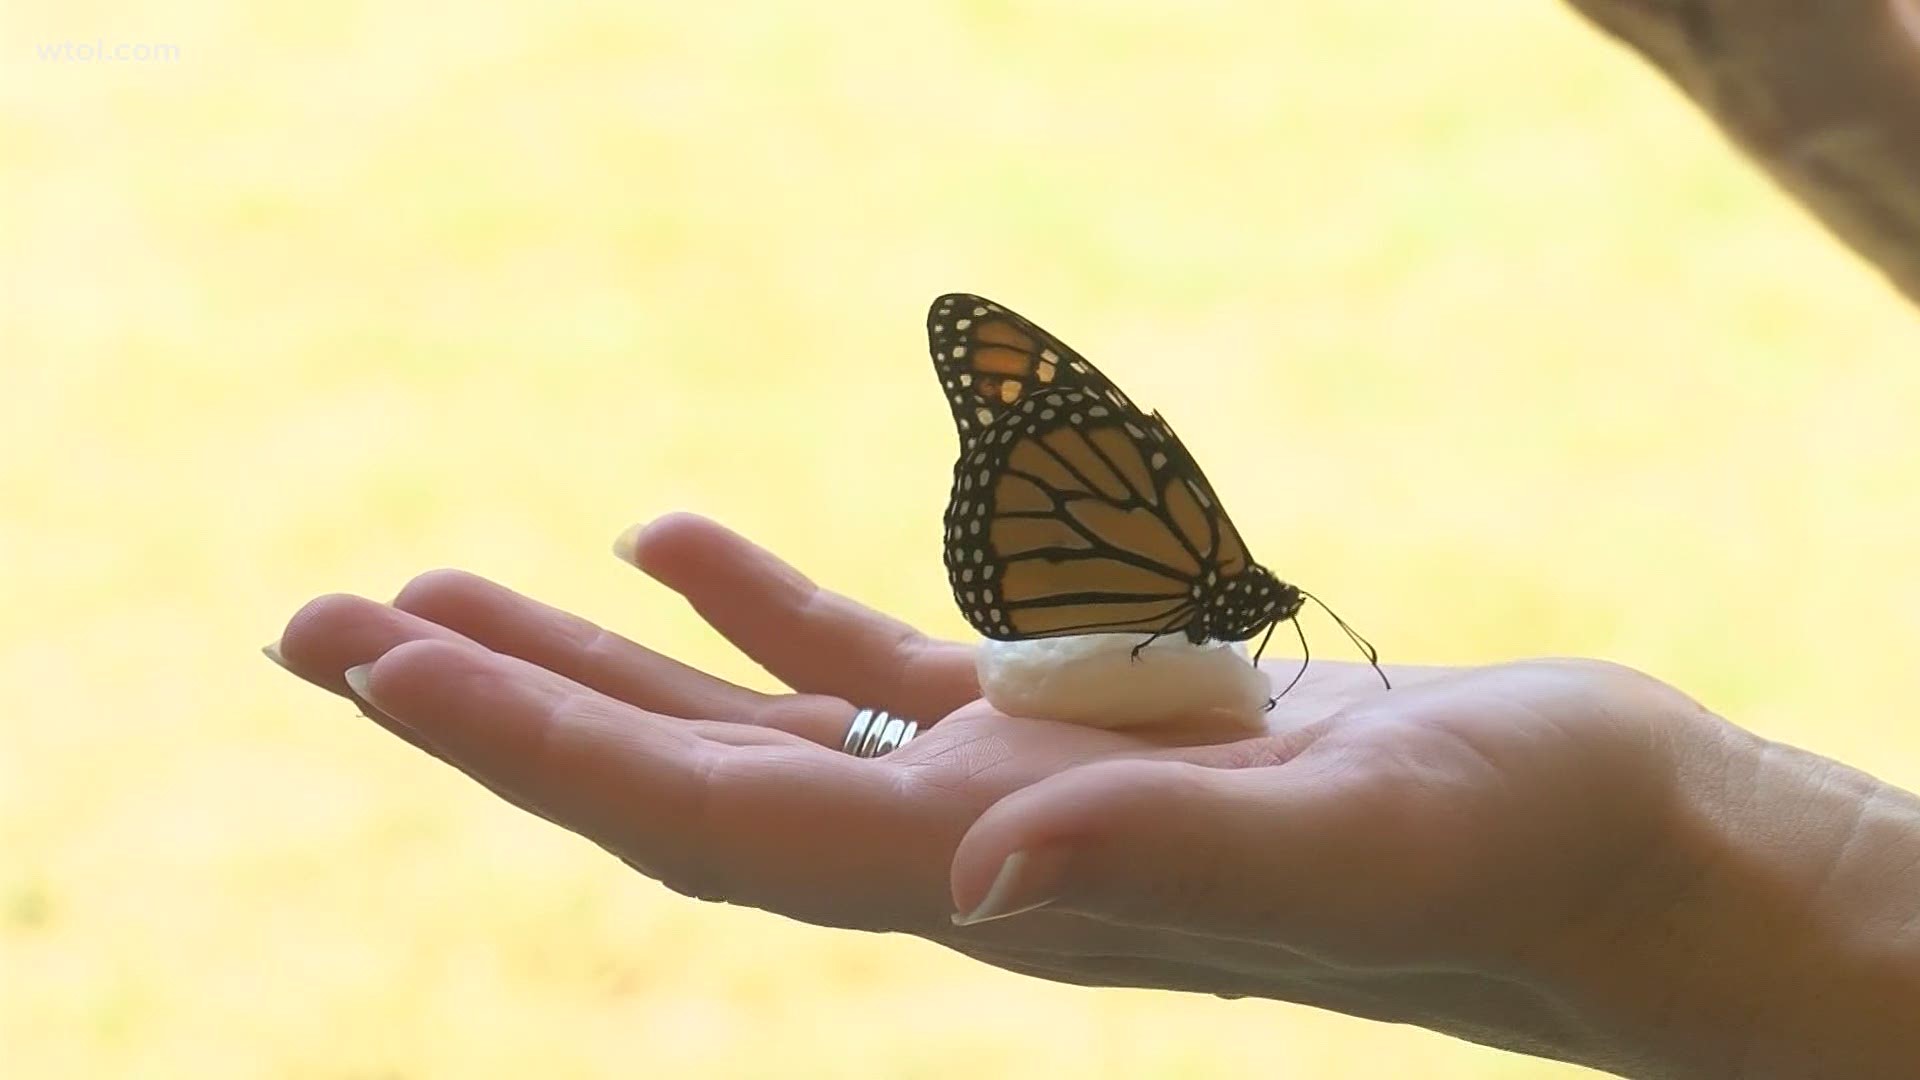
1480	330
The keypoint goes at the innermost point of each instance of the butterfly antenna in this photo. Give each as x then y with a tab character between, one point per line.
1366	648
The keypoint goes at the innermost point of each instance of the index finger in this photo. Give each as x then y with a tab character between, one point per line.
812	639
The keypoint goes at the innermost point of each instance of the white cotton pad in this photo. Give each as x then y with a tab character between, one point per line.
1093	679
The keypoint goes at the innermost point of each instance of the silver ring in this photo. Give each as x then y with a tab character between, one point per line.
874	733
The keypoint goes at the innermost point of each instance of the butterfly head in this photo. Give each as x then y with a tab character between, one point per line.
1246	604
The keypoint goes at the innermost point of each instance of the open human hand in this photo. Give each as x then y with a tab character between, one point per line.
1444	853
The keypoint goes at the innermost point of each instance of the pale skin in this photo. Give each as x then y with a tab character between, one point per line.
1561	857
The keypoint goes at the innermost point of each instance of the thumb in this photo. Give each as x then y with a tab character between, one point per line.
1283	852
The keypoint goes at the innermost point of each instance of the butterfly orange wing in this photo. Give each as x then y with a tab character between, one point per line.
990	358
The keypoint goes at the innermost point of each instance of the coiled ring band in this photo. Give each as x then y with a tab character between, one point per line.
873	733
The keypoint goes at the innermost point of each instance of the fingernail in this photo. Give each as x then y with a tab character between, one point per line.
360	679
272	652
1026	881
627	543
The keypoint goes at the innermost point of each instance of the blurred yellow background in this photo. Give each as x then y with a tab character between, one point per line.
1482	333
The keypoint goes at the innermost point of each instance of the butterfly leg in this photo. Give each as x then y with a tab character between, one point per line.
1305	655
1151	638
1178	621
1274	700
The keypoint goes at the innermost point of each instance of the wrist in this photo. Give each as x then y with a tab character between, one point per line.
1774	932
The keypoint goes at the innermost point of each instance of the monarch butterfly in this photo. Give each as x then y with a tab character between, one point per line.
1072	512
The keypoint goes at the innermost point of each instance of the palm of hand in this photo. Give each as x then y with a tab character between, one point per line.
1454	822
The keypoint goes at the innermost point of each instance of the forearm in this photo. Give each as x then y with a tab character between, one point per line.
1778	935
1826	96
